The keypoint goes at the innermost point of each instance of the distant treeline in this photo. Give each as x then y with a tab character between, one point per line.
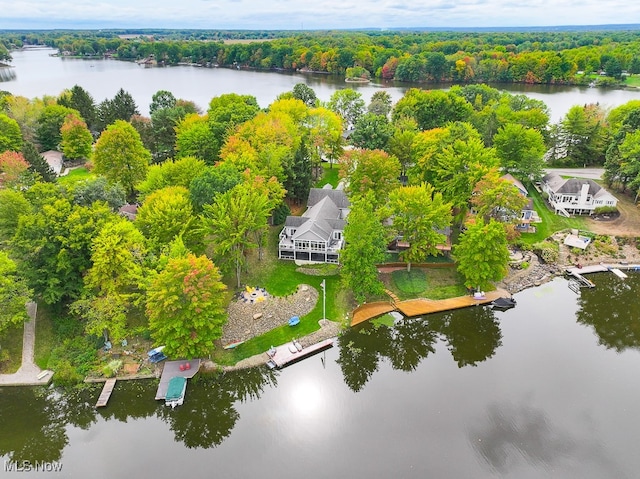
547	57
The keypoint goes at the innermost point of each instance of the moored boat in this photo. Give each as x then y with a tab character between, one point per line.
176	391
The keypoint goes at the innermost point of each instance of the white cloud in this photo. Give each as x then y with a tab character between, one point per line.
292	14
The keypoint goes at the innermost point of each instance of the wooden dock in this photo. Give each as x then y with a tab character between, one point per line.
288	353
172	369
418	307
106	392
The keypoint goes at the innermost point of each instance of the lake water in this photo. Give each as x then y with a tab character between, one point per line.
36	73
549	389
546	390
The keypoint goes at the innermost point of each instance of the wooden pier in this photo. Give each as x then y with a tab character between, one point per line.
418	307
291	353
175	368
106	392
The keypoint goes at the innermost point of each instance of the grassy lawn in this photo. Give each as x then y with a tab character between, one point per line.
78	174
11	344
438	283
633	80
330	176
280	278
550	221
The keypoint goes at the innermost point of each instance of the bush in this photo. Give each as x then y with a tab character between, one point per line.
548	251
524	265
72	360
111	369
603	210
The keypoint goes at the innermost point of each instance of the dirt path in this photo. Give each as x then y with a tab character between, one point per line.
627	224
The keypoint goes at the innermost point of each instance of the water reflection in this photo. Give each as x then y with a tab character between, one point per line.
7	74
472	336
40	434
512	434
608	310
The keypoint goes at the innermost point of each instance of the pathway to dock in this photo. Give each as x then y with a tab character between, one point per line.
417	307
29	374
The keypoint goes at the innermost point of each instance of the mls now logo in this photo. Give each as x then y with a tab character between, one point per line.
32	466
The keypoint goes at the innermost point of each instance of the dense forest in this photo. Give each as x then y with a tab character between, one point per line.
557	57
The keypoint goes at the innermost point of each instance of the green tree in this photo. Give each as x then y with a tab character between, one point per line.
166	214
121	107
120	156
380	103
305	93
185	306
419	215
87	192
401	142
10	134
432	109
520	150
347	103
365	248
49	124
37	163
14	294
372	132
212	181
482	254
228	111
76	138
372	171
13	205
195	138
324	135
171	173
160	100
580	139
53	246
80	100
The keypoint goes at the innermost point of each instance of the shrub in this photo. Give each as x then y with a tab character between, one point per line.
603	210
72	360
111	369
548	251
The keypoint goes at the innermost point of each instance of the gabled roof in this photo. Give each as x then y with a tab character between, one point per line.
573	186
338	197
515	182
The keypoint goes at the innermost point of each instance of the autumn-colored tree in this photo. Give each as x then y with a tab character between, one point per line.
76	138
49	124
12	165
185	306
420	215
120	156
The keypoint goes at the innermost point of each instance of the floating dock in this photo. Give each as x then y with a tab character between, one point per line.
291	353
106	392
172	369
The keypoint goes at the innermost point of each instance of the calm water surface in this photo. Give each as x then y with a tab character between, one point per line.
548	389
36	73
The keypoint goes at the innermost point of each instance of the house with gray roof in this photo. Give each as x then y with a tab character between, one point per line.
576	196
317	235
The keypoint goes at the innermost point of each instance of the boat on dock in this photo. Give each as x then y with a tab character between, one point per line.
171	369
176	391
293	352
503	303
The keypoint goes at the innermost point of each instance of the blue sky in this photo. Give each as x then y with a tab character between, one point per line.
318	14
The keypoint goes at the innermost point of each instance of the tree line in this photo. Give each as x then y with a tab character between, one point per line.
566	57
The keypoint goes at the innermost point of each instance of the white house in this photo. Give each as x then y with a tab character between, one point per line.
576	196
317	235
528	214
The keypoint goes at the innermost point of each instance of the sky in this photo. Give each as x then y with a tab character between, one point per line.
308	15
